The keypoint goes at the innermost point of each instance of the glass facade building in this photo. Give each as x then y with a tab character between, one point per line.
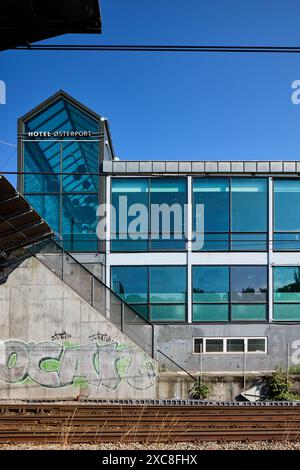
209	248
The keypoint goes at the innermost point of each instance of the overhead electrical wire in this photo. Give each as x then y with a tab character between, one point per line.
158	48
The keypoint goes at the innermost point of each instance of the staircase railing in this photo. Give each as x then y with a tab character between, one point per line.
96	293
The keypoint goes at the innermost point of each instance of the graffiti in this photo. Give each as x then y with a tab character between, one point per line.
53	365
62	335
101	337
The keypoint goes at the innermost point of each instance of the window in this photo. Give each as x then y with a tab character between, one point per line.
223	293
210	293
249	214
287	293
286	215
74	194
157	221
230	345
157	292
213	193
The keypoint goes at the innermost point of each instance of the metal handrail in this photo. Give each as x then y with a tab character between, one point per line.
33	250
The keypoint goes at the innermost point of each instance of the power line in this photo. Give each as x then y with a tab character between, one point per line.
160	48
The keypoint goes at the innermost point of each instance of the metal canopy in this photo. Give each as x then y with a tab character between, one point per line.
20	224
25	21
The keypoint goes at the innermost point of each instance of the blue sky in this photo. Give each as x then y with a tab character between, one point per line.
173	106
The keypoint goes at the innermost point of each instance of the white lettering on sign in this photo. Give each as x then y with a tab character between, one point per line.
60	134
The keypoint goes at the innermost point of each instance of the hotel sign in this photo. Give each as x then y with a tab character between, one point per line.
59	134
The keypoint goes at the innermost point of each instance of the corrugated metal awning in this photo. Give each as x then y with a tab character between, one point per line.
20	224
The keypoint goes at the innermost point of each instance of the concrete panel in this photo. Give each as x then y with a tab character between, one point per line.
211	167
145	167
250	167
132	167
198	167
159	167
107	166
224	167
119	167
263	167
289	167
185	167
276	167
172	167
237	167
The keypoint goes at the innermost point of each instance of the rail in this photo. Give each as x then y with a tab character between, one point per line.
96	293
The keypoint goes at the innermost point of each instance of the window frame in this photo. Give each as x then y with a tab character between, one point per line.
283	302
225	339
148	303
230	303
281	250
230	241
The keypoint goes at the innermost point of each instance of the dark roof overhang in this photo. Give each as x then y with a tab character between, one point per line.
25	21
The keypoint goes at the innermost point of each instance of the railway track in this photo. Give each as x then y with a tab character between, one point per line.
103	423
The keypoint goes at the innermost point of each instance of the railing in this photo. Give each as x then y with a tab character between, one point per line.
96	293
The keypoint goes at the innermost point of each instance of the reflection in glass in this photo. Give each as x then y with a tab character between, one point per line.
287	284
248	283
210	284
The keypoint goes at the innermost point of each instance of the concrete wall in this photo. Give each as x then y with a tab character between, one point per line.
177	342
55	345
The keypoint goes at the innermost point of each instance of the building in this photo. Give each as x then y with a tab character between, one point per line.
223	286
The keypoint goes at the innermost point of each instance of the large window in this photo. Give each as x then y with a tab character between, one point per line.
286	215
61	169
235	213
157	292
223	293
287	293
148	214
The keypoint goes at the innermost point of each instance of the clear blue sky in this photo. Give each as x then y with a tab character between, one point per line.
174	106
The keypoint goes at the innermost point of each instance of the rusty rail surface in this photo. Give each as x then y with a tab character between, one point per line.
135	423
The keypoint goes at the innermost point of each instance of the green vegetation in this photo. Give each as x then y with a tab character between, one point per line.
200	392
280	387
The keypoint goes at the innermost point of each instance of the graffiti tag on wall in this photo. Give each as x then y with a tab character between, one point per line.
53	365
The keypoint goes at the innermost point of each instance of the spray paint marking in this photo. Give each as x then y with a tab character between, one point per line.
53	365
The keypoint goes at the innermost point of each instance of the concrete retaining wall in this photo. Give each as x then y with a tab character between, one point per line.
54	345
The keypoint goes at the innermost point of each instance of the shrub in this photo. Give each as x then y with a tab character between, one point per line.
200	392
280	388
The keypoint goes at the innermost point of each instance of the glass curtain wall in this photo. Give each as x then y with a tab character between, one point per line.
235	213
61	173
286	215
159	293
148	214
229	293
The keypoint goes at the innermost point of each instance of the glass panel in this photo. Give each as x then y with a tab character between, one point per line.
210	284
126	194
257	345
248	312
143	310
213	193
249	205
215	242
235	345
287	284
287	241
248	284
168	223
168	284
77	277
130	283
168	312
286	204
210	313
248	242
79	222
41	158
80	159
287	312
214	345
198	345
48	208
